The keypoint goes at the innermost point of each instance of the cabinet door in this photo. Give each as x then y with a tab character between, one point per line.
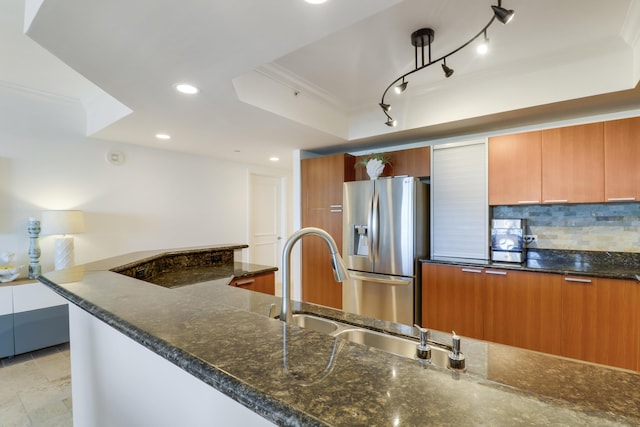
621	159
412	162
523	309
600	321
573	164
321	183
515	169
452	299
264	283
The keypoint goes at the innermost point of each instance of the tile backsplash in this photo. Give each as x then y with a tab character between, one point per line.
611	227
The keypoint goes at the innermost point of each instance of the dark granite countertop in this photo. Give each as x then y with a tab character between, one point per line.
613	265
223	336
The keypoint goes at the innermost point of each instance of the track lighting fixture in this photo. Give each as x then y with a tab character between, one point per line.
423	38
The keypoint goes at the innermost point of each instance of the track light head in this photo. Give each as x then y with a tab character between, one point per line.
385	107
390	122
483	47
503	15
448	72
401	87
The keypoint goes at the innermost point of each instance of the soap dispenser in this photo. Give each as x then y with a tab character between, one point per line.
456	358
423	350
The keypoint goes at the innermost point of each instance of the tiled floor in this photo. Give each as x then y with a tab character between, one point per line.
35	389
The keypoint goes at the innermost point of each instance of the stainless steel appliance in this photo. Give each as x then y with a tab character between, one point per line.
385	232
507	240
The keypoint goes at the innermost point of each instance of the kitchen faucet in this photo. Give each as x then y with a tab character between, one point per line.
339	269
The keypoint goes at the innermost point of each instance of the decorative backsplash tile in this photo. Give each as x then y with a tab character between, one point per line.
592	227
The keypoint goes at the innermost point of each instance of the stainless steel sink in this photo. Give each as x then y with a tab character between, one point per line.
390	343
318	324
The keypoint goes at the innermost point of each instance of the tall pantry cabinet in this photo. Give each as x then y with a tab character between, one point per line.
322	180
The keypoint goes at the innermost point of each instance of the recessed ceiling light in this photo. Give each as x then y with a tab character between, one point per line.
274	159
316	1
186	88
163	136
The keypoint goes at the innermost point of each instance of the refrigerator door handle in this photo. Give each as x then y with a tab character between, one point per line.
376	226
388	281
370	228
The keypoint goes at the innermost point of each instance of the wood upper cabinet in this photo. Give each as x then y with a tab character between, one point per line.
452	299
322	179
412	162
600	321
515	169
523	309
264	283
621	160
573	164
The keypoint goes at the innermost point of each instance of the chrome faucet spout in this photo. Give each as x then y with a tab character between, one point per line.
339	268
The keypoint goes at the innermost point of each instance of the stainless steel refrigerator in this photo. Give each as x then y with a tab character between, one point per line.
385	232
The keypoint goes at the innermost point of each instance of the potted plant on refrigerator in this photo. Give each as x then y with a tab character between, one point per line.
375	164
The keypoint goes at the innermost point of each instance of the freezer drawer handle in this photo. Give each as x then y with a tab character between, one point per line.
392	282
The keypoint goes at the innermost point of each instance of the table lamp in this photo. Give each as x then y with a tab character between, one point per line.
63	223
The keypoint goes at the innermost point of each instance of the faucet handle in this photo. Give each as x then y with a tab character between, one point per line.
423	350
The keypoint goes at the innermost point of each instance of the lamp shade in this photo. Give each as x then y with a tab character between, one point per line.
62	222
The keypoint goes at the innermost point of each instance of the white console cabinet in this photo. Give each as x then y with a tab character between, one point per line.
32	316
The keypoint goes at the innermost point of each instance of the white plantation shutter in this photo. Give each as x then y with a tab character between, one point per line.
460	208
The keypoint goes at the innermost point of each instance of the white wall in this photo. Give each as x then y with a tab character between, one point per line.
156	199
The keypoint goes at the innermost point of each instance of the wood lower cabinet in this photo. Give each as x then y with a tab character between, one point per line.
322	179
591	319
523	309
621	159
264	283
452	299
600	321
515	169
573	164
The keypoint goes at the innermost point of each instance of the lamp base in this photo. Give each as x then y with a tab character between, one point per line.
63	253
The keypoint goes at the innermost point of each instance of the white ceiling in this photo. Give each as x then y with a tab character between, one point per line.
279	75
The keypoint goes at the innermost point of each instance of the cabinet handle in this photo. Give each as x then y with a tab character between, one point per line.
497	273
621	199
556	201
471	270
575	279
528	202
245	282
335	206
335	210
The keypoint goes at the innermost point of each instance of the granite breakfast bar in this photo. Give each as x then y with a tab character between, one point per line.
209	354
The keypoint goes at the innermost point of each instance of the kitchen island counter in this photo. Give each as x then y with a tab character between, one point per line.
224	338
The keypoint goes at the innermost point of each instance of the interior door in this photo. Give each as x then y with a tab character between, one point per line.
266	221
